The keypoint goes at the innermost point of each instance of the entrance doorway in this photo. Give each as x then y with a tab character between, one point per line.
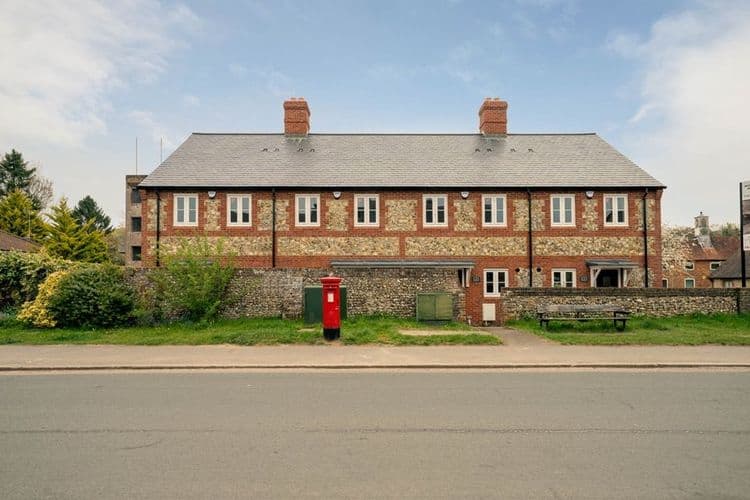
608	278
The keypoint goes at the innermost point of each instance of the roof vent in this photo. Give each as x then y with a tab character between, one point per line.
265	150
531	150
300	150
312	150
512	150
489	150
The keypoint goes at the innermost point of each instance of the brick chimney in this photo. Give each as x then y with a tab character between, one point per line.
296	116
493	117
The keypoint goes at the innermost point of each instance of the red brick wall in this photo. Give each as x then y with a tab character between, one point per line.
474	296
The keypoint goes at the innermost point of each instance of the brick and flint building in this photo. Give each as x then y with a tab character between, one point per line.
491	210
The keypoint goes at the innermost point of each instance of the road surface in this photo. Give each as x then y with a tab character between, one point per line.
423	434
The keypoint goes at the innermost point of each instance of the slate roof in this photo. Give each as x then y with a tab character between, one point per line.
730	268
398	160
722	247
10	241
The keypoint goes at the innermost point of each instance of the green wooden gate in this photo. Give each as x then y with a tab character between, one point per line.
434	307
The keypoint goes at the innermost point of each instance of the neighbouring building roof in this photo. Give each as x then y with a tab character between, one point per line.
731	268
721	249
10	241
398	160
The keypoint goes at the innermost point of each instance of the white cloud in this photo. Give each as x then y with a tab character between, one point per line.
690	128
63	59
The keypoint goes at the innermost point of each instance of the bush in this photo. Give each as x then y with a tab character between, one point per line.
22	273
93	296
191	282
37	312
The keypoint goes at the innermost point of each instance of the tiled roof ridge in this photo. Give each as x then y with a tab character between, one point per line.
399	134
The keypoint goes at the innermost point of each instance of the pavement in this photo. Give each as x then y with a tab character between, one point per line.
520	350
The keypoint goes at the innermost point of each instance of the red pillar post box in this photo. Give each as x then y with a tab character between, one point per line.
331	307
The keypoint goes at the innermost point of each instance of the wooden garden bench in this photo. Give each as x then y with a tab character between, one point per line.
583	312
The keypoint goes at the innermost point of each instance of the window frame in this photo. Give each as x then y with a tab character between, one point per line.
494	197
685	283
133	218
186	222
434	197
308	210
626	215
355	209
562	222
133	253
689	265
496	273
712	263
562	271
665	282
239	197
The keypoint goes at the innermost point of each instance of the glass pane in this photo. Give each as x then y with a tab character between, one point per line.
556	210
569	279
441	210
499	214
180	203
500	281
428	210
246	210
556	279
233	210
313	210
489	281
301	210
192	202
373	210
488	210
192	215
180	215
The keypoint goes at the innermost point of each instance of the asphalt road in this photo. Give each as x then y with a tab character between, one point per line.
402	435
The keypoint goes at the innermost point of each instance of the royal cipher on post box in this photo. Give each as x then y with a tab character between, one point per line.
331	307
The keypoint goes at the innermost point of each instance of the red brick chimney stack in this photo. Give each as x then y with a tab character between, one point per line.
493	117
296	116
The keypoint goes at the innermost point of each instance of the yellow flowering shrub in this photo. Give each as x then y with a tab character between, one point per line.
36	312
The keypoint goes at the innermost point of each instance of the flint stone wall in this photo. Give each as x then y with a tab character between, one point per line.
279	292
524	302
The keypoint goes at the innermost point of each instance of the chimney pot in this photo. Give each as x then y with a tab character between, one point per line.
296	116
493	117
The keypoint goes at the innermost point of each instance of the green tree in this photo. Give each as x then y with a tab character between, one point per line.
14	173
19	216
88	210
70	240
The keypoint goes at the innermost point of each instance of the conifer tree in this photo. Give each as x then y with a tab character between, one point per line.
88	210
19	216
70	240
14	173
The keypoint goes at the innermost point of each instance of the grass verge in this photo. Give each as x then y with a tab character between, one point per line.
694	329
270	331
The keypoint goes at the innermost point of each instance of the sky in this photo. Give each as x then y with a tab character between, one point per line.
665	82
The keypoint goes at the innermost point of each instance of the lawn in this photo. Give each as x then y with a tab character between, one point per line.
359	330
695	329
